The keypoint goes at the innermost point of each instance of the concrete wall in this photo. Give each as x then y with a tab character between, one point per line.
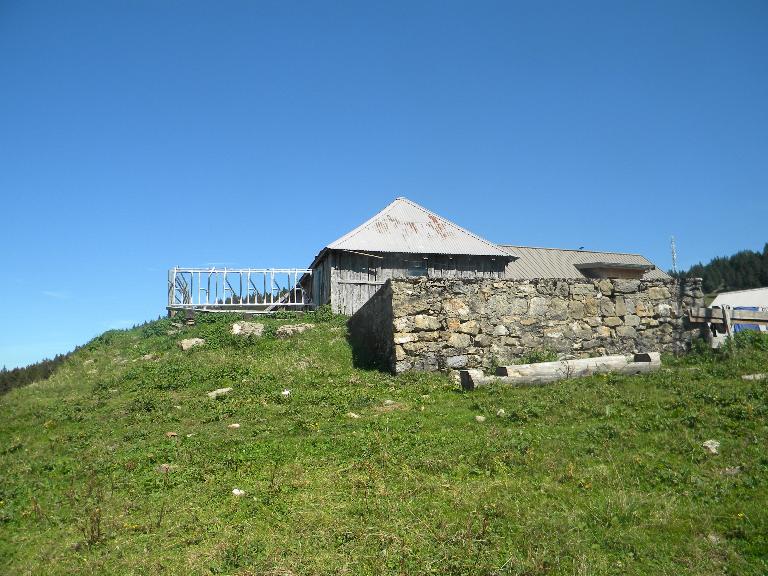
471	323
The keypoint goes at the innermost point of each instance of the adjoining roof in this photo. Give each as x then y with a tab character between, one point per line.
404	226
556	263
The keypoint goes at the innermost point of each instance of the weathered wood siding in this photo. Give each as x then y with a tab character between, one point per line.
347	280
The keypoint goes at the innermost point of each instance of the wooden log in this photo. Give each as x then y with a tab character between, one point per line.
548	372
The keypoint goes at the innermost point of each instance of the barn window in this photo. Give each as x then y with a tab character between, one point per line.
416	267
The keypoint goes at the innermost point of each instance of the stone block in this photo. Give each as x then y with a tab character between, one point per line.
500	330
626	286
591	306
405	337
643	308
621	307
456	362
558	309
457	340
400	353
631	320
538	306
659	293
470	327
576	309
612	321
607	308
423	322
605	286
603	332
626	331
456	307
402	324
582	289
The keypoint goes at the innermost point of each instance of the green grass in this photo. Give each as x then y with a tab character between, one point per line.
604	475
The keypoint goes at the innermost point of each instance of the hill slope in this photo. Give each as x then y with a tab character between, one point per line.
604	475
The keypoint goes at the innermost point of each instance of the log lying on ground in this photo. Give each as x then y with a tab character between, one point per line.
546	372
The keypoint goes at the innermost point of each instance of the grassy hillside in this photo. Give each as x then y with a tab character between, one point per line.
605	475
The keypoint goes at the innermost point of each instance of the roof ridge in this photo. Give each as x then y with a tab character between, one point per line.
573	250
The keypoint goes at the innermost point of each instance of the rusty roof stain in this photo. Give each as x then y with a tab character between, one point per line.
404	226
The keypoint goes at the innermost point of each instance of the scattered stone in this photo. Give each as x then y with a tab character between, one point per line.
390	406
712	446
190	435
480	419
148	357
164	468
353	415
289	330
714	538
171	434
501	413
233	426
190	343
237	492
754	376
248	329
732	470
219	392
285	393
89	361
177	407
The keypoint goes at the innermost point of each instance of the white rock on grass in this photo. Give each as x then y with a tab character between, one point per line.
237	492
389	402
501	413
353	415
233	426
480	419
219	392
247	329
290	329
712	446
285	393
191	343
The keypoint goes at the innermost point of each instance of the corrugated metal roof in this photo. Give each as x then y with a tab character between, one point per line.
535	263
404	226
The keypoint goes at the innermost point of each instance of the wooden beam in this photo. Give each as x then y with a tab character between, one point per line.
720	316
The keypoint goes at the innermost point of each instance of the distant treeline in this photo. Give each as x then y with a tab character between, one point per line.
743	270
16	377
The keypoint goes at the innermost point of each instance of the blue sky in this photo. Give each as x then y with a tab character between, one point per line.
135	136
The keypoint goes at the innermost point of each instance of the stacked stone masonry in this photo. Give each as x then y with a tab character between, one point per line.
440	324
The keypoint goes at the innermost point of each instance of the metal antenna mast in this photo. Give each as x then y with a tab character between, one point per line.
674	255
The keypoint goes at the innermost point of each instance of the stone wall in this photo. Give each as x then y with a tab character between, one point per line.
463	323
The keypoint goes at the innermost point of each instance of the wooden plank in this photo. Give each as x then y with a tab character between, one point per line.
718	316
